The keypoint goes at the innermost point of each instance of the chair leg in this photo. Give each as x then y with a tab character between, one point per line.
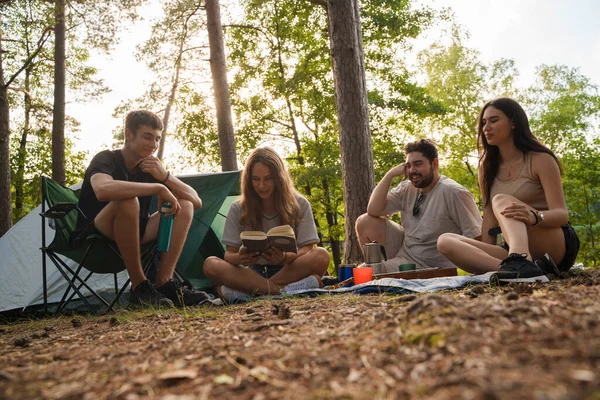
45	283
116	284
56	259
44	279
63	303
118	296
62	300
57	263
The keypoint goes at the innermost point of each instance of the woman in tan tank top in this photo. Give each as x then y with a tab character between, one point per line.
521	186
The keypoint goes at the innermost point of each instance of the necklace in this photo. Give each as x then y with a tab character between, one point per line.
511	164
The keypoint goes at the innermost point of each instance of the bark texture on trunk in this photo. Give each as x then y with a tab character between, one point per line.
218	68
58	115
19	180
167	115
351	101
5	198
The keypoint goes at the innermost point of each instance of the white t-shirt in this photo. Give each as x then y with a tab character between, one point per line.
448	207
305	230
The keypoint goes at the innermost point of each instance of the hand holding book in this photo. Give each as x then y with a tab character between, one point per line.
281	237
247	257
274	256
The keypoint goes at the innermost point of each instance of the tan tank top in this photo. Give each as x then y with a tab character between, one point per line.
524	186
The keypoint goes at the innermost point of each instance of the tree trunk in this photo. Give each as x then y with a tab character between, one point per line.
167	115
22	152
170	102
173	93
5	200
351	101
332	223
58	115
218	69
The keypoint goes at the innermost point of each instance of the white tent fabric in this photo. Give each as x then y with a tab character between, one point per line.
21	267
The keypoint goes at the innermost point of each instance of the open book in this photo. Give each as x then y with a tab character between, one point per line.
282	237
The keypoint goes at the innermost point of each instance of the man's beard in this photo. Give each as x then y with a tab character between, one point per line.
425	180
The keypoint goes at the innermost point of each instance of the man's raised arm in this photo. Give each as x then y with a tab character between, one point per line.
378	199
183	191
153	166
108	189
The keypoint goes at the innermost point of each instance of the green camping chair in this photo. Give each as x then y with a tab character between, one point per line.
97	254
100	255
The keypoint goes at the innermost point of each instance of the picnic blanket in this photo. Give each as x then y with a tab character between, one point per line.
392	285
385	285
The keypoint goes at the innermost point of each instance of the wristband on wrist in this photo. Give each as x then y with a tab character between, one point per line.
166	179
536	217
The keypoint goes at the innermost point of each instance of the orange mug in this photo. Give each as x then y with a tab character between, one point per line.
362	275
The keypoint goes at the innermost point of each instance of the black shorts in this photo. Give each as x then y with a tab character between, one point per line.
80	234
266	271
571	247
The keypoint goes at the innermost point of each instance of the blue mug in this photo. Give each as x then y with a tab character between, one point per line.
345	272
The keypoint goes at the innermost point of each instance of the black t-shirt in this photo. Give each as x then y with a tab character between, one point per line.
110	162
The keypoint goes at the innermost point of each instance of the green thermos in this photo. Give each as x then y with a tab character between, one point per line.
165	226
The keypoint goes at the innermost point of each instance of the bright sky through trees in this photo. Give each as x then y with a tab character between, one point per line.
528	31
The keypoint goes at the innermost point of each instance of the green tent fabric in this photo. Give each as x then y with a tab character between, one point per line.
217	192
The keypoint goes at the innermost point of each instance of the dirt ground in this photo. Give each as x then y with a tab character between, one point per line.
481	342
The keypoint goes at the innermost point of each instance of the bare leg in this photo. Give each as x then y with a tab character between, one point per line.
535	241
514	232
239	278
469	254
181	226
119	221
314	262
370	229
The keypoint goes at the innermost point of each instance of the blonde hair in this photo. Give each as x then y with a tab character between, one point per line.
286	202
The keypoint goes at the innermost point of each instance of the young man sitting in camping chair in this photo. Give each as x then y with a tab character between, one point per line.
115	198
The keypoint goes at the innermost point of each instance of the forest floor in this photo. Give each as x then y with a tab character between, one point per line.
538	341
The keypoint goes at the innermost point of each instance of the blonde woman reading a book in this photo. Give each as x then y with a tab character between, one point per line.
269	200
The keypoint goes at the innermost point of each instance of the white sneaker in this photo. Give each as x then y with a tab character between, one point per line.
232	296
310	282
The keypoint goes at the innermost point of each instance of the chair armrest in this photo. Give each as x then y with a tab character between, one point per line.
59	210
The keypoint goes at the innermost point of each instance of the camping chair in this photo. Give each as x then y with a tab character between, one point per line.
97	254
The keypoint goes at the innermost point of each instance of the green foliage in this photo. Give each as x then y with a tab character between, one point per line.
282	91
462	83
95	24
197	130
28	44
582	192
176	52
563	105
38	162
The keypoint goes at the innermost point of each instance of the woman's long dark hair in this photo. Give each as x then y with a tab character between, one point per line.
525	141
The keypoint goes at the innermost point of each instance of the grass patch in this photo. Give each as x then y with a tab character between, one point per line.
431	337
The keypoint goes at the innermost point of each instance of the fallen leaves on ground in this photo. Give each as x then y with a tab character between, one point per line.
520	341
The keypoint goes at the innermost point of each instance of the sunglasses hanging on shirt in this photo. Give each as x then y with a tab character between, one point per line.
417	206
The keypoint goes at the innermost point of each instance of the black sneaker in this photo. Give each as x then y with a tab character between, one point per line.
546	264
517	268
181	295
145	294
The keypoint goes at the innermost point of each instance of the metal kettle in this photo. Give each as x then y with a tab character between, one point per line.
373	253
